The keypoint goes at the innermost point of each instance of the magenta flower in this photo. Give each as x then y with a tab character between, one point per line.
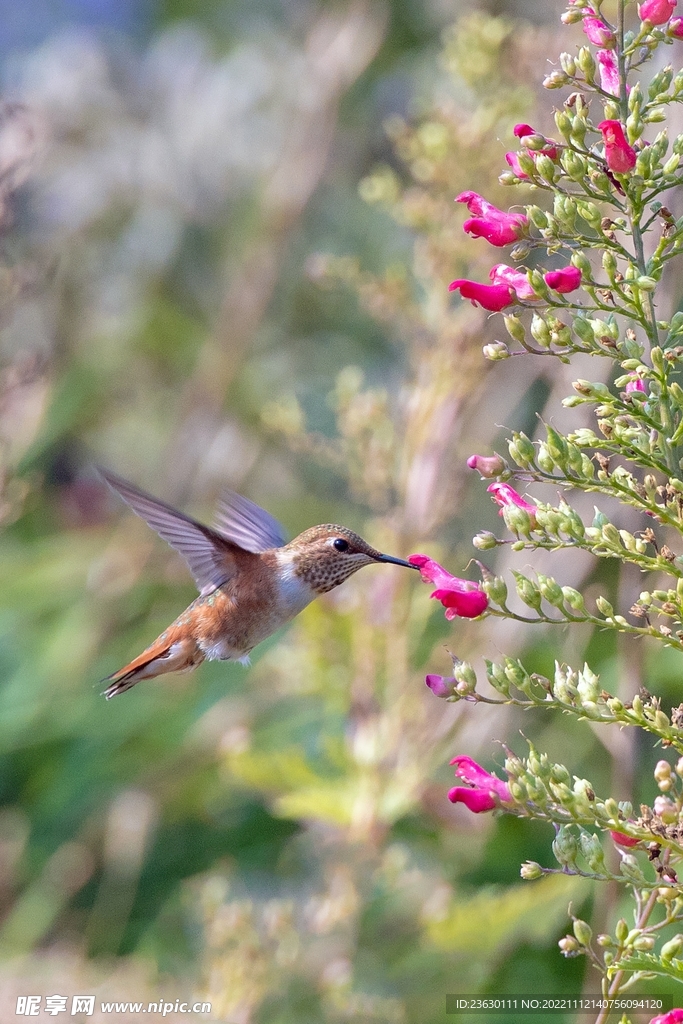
597	31
493	297
675	28
623	840
502	274
460	598
609	71
483	792
674	1016
635	385
487	465
566	279
513	161
657	12
620	157
506	496
441	686
496	226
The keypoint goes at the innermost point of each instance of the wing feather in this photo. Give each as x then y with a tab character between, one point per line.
207	553
247	524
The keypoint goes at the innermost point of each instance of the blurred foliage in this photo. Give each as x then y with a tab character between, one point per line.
197	291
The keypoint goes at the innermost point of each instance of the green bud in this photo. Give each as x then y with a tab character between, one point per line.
496	589
546	168
591	848
565	847
557	446
671	164
540	331
609	264
583	932
497	677
671	948
530	870
528	593
484	541
580	260
574	164
495	351
515	328
644	942
524	450
579	128
573	599
544	458
604	607
562	118
587	64
569	946
583	330
537	216
527	163
621	931
466	678
590	213
551	591
567	63
645	284
630	868
604	940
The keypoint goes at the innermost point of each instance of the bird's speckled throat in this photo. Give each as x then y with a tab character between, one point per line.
318	564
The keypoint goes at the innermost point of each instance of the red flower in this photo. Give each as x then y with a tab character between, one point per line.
460	598
657	12
609	71
675	28
672	1017
623	840
517	279
635	385
496	226
566	279
597	31
493	297
483	791
619	155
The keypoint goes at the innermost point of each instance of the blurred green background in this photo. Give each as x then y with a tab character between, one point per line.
227	234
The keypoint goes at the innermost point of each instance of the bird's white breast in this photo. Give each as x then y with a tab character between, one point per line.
293	592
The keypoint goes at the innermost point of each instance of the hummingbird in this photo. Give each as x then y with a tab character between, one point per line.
250	580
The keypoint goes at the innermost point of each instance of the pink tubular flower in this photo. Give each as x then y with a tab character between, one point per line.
675	28
609	71
505	495
460	598
674	1016
493	297
441	686
483	791
496	226
597	31
517	279
620	157
657	12
487	465
623	840
635	385
566	279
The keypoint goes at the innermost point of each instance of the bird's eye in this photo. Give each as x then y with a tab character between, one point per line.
340	544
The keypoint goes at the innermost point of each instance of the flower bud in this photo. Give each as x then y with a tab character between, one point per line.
466	678
573	599
582	931
485	540
621	931
644	942
591	848
528	592
630	868
671	948
569	946
555	80
496	350
530	870
666	809
663	774
587	64
604	941
604	607
515	328
487	465
496	589
565	847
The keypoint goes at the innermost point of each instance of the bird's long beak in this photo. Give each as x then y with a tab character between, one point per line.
396	561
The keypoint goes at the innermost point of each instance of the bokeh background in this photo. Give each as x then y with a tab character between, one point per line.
227	230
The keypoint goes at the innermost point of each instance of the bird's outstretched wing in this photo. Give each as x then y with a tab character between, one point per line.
247	524
210	556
